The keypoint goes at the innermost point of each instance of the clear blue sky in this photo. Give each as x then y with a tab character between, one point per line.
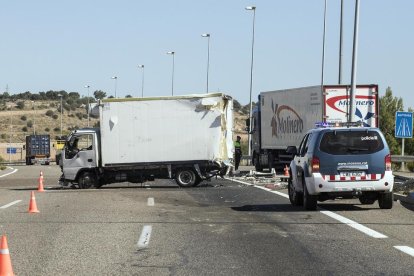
65	45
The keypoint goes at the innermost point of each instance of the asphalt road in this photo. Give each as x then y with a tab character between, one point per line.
219	228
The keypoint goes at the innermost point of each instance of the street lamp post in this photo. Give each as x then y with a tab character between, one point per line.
87	110
172	75
142	79
116	79
10	136
61	114
208	55
251	8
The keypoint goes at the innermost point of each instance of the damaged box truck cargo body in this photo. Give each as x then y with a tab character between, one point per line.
188	138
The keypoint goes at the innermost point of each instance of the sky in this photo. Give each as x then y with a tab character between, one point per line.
65	45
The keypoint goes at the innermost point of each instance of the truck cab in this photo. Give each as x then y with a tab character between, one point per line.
80	156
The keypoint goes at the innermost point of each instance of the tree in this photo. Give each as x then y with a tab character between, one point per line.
99	94
389	105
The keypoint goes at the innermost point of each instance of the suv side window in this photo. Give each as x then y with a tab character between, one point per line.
306	145
303	145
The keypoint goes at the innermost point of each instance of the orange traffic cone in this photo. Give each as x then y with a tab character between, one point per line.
32	204
286	173
41	175
5	262
40	187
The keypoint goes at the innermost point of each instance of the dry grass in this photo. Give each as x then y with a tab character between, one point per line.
42	123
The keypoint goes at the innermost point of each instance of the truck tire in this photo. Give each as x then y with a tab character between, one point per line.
386	200
88	180
257	165
309	201
295	198
185	178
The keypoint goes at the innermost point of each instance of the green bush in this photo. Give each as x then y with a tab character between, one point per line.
24	129
23	118
29	124
47	129
20	105
56	129
49	113
55	116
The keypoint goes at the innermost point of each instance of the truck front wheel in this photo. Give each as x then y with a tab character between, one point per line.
185	178
87	180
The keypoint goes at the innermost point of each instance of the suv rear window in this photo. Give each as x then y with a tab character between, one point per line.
351	142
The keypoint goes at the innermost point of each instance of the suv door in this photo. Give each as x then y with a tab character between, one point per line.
300	161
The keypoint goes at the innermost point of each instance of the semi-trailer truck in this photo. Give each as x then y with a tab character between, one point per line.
282	117
37	149
187	138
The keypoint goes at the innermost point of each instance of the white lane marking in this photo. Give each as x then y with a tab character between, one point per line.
151	201
144	239
10	204
406	249
147	186
355	225
6	174
333	215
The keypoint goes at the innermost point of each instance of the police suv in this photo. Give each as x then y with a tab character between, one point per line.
341	162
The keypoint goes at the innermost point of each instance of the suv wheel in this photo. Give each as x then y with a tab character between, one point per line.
296	198
309	201
386	200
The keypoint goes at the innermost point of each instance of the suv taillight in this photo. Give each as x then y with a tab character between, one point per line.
315	164
388	162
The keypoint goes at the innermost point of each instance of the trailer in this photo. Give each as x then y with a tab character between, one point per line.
282	117
187	138
38	149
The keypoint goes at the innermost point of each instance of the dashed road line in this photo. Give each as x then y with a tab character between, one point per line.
10	204
144	239
406	249
151	201
6	174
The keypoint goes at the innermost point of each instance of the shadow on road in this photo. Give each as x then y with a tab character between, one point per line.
290	208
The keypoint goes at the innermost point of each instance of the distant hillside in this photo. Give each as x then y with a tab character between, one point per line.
22	117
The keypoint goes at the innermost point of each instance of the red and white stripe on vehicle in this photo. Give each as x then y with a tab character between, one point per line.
368	177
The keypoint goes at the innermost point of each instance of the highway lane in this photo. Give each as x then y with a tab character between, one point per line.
219	228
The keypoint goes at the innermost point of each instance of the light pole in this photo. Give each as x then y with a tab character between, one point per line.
116	79
87	110
251	8
10	136
208	55
142	79
172	75
61	114
34	123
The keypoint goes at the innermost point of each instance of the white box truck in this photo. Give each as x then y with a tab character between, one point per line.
282	117
188	138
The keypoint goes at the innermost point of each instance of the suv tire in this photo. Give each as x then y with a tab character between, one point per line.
296	198
309	201
386	200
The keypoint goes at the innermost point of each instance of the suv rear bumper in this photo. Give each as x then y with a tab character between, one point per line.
318	184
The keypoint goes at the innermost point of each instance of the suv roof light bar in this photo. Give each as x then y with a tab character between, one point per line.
338	124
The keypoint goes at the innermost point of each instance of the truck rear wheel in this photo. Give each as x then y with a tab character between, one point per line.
185	178
87	180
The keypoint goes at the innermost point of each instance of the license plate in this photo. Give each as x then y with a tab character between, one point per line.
352	174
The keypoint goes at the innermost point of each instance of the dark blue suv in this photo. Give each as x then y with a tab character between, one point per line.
341	162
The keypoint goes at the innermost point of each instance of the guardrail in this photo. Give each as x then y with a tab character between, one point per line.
402	158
